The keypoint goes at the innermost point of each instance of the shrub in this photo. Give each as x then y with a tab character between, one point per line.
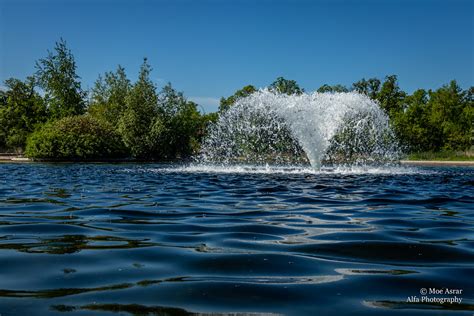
73	138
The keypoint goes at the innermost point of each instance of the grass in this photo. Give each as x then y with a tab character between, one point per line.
443	156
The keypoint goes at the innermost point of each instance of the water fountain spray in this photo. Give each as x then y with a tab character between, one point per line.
316	128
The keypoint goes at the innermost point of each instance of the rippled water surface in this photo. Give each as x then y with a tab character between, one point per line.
82	239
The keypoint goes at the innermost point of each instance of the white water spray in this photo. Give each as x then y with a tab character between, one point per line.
271	127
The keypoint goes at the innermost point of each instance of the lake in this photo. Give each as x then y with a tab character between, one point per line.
138	239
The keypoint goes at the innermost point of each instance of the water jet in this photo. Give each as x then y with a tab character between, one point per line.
315	128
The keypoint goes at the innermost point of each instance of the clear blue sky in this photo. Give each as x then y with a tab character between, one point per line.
208	49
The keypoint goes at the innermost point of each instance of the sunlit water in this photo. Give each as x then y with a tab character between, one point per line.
148	239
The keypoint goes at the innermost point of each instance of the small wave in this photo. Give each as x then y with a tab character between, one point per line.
275	169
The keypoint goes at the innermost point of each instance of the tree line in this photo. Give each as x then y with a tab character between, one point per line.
426	120
440	120
49	115
116	119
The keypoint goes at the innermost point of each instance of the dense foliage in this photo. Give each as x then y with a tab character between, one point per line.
109	96
282	85
56	75
439	120
79	137
21	111
120	118
226	103
139	123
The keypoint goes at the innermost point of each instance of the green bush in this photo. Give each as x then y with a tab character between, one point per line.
76	137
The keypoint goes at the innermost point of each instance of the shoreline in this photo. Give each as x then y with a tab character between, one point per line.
20	159
438	162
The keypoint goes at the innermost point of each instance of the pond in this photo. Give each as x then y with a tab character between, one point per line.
148	239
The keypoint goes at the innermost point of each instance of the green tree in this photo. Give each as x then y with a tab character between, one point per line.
413	124
451	117
391	96
183	124
22	110
361	86
468	114
370	87
336	88
57	76
440	120
282	85
170	102
226	103
140	116
109	95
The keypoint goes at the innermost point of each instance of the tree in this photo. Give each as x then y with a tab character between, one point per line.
391	96
22	110
468	113
441	120
140	115
56	75
282	85
183	125
370	87
170	102
451	117
226	103
109	95
361	86
336	88
413	125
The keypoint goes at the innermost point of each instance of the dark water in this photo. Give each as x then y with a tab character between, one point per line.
148	239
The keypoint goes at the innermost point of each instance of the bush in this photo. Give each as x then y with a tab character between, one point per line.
76	137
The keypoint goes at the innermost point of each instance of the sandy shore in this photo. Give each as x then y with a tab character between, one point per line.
437	163
12	158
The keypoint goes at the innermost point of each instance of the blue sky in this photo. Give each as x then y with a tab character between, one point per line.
209	49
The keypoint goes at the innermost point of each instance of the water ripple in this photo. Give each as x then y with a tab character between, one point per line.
179	240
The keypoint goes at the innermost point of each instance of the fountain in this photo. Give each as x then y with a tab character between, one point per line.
316	128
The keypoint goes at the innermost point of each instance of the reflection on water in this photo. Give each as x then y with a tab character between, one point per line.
174	240
74	243
136	309
422	306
